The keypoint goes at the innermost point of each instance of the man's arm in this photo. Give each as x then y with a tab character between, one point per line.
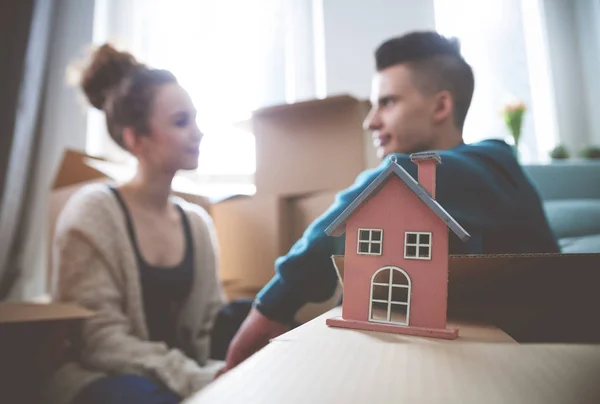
304	275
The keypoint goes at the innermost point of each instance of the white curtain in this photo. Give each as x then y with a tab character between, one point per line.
61	124
16	193
587	20
497	40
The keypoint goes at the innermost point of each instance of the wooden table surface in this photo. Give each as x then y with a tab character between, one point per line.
317	364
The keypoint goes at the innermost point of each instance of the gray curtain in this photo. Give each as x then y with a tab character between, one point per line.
25	29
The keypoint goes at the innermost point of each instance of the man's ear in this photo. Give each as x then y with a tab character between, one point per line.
130	140
443	107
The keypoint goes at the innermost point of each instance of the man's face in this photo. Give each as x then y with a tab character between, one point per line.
402	118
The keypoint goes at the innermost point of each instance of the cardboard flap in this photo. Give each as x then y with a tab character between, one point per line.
73	170
338	264
26	312
306	105
115	171
533	297
526	278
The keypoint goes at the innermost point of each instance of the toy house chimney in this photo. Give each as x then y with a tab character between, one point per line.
427	163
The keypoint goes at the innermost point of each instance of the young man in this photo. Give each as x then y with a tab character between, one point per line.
421	94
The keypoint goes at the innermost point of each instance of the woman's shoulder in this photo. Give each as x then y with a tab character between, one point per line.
91	205
194	211
201	223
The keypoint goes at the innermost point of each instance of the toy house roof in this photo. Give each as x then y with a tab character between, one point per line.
395	169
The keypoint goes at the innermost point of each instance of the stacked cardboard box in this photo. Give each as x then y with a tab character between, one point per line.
305	153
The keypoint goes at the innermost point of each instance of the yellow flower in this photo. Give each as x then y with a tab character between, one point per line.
513	116
514	107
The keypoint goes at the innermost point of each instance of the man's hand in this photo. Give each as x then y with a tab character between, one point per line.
254	334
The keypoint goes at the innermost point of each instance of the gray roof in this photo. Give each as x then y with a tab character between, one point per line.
414	186
424	156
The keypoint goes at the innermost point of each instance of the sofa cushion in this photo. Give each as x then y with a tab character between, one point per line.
577	245
573	217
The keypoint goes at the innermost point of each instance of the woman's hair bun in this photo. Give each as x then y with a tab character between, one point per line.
105	71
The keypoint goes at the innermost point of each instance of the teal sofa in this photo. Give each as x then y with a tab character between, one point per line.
570	191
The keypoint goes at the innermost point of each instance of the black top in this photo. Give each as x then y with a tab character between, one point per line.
164	289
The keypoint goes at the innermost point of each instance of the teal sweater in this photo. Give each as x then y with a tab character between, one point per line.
481	185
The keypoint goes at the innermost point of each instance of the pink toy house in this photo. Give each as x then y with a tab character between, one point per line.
395	271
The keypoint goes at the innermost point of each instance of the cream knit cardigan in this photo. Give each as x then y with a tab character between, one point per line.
97	269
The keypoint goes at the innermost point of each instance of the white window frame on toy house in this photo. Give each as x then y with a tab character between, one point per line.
417	245
390	301
369	242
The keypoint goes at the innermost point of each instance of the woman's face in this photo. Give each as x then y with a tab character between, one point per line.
174	139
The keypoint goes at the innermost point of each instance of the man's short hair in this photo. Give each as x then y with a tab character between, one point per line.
437	65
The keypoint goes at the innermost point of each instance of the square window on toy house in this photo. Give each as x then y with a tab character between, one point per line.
417	245
370	241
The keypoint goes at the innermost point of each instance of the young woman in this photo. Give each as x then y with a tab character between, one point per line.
143	260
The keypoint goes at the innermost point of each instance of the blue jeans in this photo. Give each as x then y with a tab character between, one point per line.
126	389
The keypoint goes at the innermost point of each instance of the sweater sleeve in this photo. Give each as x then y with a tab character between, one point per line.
305	273
107	341
210	292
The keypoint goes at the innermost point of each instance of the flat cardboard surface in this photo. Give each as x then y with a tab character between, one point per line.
313	364
24	312
386	373
317	331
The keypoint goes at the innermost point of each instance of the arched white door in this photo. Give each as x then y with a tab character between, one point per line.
390	296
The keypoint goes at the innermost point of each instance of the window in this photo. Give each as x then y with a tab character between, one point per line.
505	43
370	241
390	296
199	42
417	245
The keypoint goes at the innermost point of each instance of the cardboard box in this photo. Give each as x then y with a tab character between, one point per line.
34	341
549	301
302	211
533	297
318	364
249	230
379	371
311	146
254	231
